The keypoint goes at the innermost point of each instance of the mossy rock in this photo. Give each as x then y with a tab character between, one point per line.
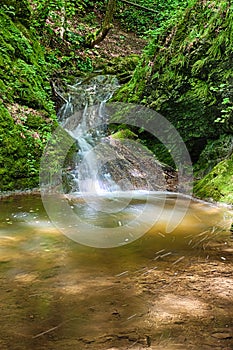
186	74
214	152
22	66
23	136
218	184
14	170
27	115
122	67
124	134
120	64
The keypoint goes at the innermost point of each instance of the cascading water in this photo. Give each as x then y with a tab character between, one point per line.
83	117
105	164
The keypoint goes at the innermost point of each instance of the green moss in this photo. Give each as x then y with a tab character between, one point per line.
27	115
218	184
22	66
23	136
122	67
13	155
213	153
17	10
186	75
133	90
124	134
186	72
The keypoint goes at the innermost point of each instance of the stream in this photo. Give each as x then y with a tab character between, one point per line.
94	265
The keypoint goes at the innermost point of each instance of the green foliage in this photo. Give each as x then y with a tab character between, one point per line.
24	87
213	153
223	94
186	73
23	135
218	184
22	67
17	10
50	11
85	65
52	15
142	21
60	24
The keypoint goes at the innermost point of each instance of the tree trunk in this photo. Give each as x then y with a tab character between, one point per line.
95	38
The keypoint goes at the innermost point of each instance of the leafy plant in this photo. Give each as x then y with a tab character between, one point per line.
146	21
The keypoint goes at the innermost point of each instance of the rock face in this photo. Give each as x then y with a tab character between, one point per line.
135	167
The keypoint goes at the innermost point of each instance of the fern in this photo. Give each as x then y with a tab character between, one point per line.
198	65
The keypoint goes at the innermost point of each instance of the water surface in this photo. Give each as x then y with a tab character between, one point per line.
58	294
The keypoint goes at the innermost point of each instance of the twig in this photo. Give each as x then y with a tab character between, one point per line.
53	328
56	92
129	347
48	331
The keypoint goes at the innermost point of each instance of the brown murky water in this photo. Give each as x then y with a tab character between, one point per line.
163	291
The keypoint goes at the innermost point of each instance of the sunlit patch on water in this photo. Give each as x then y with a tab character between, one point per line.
118	218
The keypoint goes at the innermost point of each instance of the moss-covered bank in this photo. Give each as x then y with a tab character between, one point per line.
27	115
218	184
215	169
186	74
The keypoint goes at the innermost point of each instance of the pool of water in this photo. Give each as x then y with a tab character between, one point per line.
56	292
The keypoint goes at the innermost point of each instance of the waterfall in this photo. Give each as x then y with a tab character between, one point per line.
105	164
83	116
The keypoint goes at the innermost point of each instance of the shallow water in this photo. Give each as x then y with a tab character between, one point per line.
56	293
